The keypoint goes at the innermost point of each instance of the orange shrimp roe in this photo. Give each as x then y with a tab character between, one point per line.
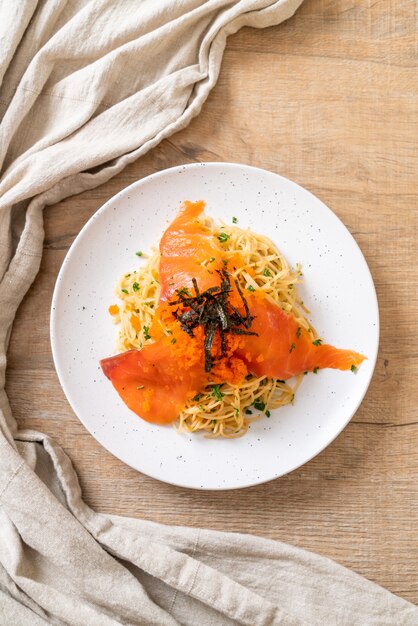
190	350
230	370
135	323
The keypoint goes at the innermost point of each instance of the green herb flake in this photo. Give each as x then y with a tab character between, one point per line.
214	422
248	412
139	253
282	381
235	220
174	340
250	288
260	406
197	397
223	237
125	291
266	272
146	333
315	370
127	275
211	260
353	368
135	286
236	412
184	291
268	413
292	347
304	373
298	332
216	392
317	342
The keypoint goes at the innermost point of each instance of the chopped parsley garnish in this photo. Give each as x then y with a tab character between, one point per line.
174	340
317	342
184	291
248	412
125	291
250	288
304	373
197	397
139	253
216	392
236	411
298	332
315	370
353	368
127	275
235	220
211	260
266	272
214	422
281	381
268	413
292	347
223	237
260	406
146	333
135	286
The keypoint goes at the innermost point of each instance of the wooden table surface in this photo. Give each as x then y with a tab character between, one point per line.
330	100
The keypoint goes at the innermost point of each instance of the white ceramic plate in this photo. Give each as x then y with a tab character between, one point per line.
338	289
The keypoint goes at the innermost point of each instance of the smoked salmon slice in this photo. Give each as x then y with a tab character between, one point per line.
184	246
282	349
151	383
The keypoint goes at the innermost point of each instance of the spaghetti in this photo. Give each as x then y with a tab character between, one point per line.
220	410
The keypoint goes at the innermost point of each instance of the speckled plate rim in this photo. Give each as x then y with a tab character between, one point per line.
84	232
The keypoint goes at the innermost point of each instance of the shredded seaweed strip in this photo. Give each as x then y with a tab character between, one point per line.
212	310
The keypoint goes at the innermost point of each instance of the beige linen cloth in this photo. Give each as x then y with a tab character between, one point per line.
87	87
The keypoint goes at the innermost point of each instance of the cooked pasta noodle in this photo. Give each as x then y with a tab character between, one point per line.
221	410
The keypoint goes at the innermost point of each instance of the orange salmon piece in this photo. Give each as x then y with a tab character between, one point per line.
183	247
151	383
284	349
